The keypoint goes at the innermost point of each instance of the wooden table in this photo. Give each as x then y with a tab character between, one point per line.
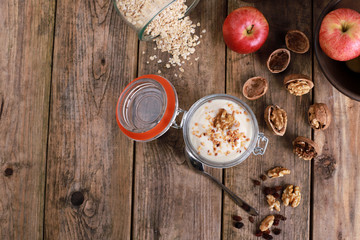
67	172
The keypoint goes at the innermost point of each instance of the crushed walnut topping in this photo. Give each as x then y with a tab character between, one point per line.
224	120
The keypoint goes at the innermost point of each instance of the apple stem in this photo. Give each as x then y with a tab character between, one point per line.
344	28
249	30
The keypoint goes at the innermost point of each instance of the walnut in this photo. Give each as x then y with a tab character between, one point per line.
223	120
297	41
319	116
278	60
305	148
273	203
278	172
255	87
291	196
276	119
298	84
267	223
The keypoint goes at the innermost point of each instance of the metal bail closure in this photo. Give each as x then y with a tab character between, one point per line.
175	124
259	150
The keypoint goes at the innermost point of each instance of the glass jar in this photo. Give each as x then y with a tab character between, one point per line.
148	107
139	16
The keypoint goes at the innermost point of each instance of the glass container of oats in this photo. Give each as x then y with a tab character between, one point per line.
219	130
147	16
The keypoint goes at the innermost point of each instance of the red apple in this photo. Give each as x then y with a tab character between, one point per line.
339	35
245	30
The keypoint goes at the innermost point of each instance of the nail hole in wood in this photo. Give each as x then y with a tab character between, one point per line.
77	198
8	172
103	61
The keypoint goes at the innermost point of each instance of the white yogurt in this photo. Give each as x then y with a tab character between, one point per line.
214	143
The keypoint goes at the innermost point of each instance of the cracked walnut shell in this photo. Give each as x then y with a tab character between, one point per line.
255	87
297	41
298	84
276	119
273	203
278	60
319	116
291	196
305	148
278	172
267	223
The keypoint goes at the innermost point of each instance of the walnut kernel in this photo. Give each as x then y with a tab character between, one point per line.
291	196
273	203
223	120
267	223
319	116
278	172
298	84
305	148
276	119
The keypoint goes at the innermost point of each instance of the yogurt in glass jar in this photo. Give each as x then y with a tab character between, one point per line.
220	130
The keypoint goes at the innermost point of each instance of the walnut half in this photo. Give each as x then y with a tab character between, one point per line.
291	196
267	223
278	172
305	148
278	60
297	41
276	119
319	116
273	203
298	84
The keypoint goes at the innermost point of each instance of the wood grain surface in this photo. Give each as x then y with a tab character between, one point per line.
172	201
89	172
279	152
67	171
26	42
336	191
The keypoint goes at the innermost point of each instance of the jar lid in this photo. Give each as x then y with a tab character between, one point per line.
147	107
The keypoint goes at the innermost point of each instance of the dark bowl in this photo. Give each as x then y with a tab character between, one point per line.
338	74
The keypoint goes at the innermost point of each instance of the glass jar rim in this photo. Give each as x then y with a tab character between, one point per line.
192	151
167	118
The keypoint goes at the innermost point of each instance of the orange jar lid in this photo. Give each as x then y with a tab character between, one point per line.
146	108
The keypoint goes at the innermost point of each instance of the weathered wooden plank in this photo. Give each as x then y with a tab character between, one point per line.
172	201
336	192
89	172
279	153
26	43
